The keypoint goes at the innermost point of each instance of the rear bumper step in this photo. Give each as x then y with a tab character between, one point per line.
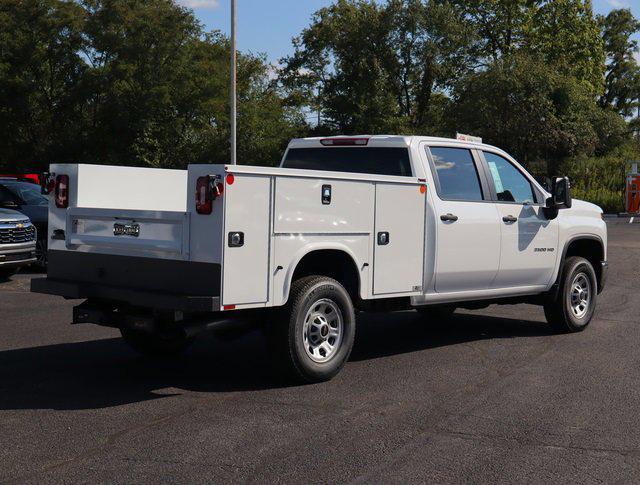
76	291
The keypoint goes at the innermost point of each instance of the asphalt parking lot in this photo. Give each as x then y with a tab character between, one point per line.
493	396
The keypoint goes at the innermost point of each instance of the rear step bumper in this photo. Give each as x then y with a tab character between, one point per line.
149	299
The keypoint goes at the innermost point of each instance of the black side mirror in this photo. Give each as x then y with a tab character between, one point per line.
560	197
562	192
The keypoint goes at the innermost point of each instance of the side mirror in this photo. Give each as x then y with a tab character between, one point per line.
561	190
560	197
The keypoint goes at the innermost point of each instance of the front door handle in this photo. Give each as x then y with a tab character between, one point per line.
449	218
510	219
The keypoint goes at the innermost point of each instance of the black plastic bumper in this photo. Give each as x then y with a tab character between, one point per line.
148	299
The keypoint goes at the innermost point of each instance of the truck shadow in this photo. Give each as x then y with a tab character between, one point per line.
105	373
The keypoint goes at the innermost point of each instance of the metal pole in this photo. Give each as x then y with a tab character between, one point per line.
234	74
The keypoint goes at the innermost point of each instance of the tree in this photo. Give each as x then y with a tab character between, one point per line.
566	35
379	68
40	72
527	107
128	82
623	75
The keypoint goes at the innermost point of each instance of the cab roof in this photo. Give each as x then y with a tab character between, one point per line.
385	140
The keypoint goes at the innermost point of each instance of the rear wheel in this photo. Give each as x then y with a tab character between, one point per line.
165	343
314	334
574	306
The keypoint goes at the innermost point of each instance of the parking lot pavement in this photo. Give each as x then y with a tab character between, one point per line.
493	396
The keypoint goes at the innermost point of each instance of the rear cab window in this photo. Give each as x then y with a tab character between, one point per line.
456	174
393	161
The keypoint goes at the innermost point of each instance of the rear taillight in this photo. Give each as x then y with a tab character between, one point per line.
207	190
204	200
62	191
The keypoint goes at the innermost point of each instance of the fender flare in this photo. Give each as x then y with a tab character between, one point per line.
312	248
555	288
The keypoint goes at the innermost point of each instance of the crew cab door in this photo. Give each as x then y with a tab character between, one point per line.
529	240
468	230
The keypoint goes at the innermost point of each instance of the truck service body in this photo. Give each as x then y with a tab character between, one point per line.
370	222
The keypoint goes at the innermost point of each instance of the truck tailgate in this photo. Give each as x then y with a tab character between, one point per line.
124	233
145	233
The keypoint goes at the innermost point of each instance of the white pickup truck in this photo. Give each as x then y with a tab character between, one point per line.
343	225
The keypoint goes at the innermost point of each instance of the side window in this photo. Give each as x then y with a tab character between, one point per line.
457	174
6	196
511	185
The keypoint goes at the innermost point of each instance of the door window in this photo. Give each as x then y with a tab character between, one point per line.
5	196
457	174
511	185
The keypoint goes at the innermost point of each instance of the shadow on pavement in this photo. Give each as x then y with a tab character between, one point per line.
105	373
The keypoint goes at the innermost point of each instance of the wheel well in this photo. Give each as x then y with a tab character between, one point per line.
333	263
591	250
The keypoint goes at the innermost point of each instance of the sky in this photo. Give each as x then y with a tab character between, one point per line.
267	26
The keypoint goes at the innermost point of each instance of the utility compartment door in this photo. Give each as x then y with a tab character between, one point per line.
399	239
246	263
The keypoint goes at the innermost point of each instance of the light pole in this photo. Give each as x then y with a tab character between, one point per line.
234	75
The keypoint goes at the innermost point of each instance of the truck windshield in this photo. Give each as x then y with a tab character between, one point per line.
372	160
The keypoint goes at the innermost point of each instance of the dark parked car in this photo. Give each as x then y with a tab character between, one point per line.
26	197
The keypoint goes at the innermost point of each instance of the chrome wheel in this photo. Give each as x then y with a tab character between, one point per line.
323	330
580	295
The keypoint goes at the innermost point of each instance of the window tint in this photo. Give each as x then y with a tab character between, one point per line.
30	193
6	196
379	161
457	174
511	185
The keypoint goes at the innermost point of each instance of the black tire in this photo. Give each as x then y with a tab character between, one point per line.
41	255
168	343
293	333
6	273
565	313
436	313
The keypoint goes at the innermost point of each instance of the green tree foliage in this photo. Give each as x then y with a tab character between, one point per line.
566	35
535	112
379	68
622	81
128	82
40	73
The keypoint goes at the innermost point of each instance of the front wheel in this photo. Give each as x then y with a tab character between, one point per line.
575	303
6	273
314	335
41	254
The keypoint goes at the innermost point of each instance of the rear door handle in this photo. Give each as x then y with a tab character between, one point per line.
448	218
510	219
